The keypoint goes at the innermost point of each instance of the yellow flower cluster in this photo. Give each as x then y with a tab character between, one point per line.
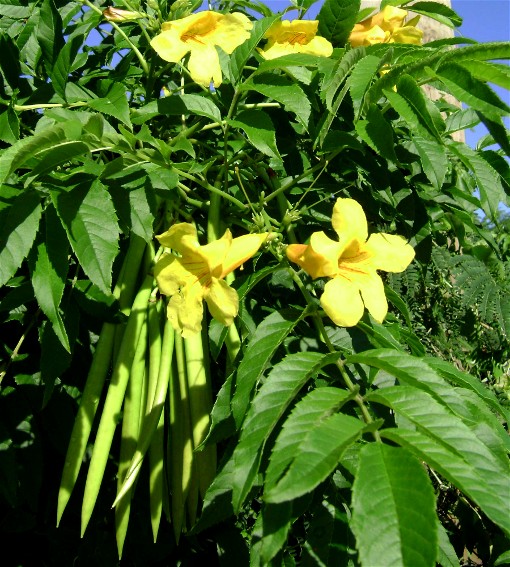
352	263
388	26
200	33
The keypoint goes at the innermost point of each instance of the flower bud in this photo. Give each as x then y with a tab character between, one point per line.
117	15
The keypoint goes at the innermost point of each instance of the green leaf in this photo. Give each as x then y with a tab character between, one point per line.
377	133
487	178
497	130
63	65
189	104
29	148
336	20
451	447
284	91
276	393
10	60
407	112
14	9
259	128
361	77
317	457
272	527
465	380
292	60
496	73
49	33
433	160
333	81
446	556
438	12
425	110
9	126
263	344
48	159
392	490
241	54
134	202
48	266
466	88
115	103
270	533
89	219
314	407
18	228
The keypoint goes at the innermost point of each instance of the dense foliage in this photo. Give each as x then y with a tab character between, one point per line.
311	430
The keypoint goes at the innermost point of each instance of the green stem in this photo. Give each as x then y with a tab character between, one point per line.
286	186
213	190
340	364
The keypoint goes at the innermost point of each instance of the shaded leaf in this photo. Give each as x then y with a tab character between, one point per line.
115	103
189	104
263	344
259	129
18	228
49	266
308	412
336	20
88	216
317	457
267	407
284	91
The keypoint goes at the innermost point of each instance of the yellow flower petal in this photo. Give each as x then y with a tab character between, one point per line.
204	66
390	18
386	26
342	302
390	252
214	253
185	310
232	30
350	223
169	274
374	298
407	34
168	46
222	301
241	249
319	259
173	237
297	36
295	31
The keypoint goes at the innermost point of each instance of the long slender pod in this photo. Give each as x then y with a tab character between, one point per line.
98	371
113	402
154	409
180	452
156	476
129	438
200	397
136	262
156	449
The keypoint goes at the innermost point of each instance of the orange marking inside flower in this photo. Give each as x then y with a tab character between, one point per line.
300	38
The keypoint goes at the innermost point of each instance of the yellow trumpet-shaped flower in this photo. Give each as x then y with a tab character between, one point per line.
197	273
352	263
199	34
299	36
388	26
